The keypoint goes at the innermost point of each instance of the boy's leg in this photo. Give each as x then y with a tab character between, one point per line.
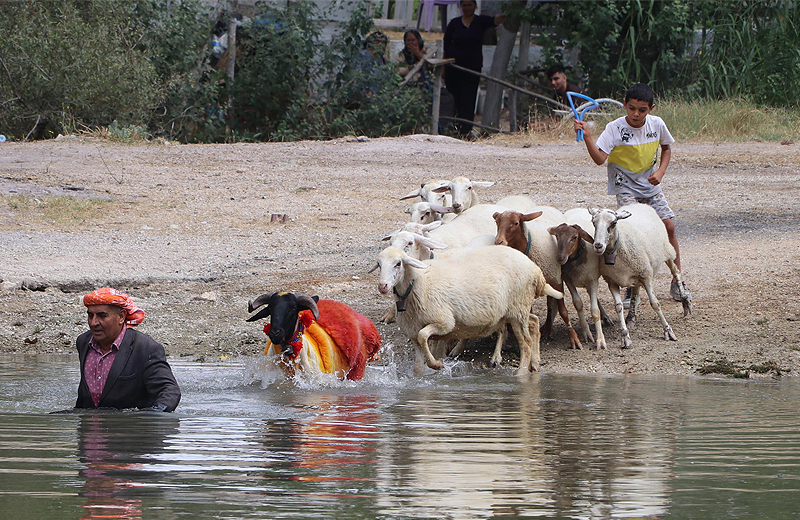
659	203
626	199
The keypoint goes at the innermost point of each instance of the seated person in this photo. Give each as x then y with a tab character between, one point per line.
413	51
120	367
558	80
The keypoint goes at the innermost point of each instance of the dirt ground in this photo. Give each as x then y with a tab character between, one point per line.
188	231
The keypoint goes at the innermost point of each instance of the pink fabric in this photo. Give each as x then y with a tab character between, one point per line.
109	296
97	365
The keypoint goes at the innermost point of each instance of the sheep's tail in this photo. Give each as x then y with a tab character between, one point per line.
549	291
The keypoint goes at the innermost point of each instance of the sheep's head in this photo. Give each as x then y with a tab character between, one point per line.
283	309
413	244
569	239
511	228
605	226
461	191
391	262
426	212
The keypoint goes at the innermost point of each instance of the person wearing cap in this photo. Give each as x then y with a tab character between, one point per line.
120	366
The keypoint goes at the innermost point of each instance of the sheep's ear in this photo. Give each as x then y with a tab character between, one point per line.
531	216
411	195
552	230
308	303
593	210
441	189
427	242
376	266
440	209
482	184
583	233
496	215
623	213
413	262
430	227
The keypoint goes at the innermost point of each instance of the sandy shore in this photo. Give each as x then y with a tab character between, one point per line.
188	231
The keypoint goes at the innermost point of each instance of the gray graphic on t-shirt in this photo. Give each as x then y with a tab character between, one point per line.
625	134
618	180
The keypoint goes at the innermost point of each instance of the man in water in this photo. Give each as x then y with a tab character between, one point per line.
121	367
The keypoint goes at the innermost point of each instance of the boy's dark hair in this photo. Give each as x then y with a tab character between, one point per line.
555	69
641	92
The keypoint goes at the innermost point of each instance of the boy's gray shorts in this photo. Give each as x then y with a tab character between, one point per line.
658	202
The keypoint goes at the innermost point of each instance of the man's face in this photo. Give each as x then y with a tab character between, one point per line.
105	322
637	112
559	82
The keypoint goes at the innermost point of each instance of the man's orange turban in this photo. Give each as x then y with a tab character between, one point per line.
109	296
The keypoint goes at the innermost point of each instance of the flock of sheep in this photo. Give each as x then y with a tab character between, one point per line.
452	279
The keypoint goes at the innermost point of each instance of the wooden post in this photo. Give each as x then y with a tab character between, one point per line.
437	87
231	50
522	64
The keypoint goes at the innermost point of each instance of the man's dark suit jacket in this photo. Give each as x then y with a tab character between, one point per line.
140	376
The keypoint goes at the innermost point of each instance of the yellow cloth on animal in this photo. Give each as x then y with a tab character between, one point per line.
320	350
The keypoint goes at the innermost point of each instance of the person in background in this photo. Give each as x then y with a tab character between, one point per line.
121	367
410	55
558	80
463	40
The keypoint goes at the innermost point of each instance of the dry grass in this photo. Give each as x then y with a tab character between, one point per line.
57	210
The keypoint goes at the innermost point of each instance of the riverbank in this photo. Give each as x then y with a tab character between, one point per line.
192	232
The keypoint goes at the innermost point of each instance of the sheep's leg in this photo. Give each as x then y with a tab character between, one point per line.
390	315
458	349
497	356
676	273
439	349
577	302
562	310
547	328
626	335
595	308
668	332
630	320
607	321
528	347
432	329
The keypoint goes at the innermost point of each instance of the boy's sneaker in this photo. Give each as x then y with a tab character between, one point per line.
676	293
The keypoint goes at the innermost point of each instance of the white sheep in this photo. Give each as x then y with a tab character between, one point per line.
462	192
472	295
427	194
427	212
580	267
634	244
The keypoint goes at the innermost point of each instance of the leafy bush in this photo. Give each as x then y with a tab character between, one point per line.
71	62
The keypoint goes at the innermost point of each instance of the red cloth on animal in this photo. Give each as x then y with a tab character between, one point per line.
354	334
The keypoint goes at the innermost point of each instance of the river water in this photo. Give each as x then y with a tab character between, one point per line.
460	444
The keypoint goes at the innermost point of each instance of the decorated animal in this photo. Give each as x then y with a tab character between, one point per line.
313	335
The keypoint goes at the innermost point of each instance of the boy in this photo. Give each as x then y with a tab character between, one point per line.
631	144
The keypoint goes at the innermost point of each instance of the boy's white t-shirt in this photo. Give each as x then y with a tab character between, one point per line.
633	154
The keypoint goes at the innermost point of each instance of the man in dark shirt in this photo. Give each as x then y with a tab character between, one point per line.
463	40
558	80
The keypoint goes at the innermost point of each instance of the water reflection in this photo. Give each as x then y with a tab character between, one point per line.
114	449
480	444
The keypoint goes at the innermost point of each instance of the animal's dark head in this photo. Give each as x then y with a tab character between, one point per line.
282	308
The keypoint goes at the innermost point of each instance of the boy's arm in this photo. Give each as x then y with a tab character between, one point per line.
597	155
656	176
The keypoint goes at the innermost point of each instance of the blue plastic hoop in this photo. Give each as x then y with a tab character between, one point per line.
579	117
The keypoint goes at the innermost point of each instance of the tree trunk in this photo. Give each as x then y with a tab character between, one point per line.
507	37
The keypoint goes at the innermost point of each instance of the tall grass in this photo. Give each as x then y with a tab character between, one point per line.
57	210
728	120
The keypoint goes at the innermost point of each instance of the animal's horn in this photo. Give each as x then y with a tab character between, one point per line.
258	302
307	303
263	313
